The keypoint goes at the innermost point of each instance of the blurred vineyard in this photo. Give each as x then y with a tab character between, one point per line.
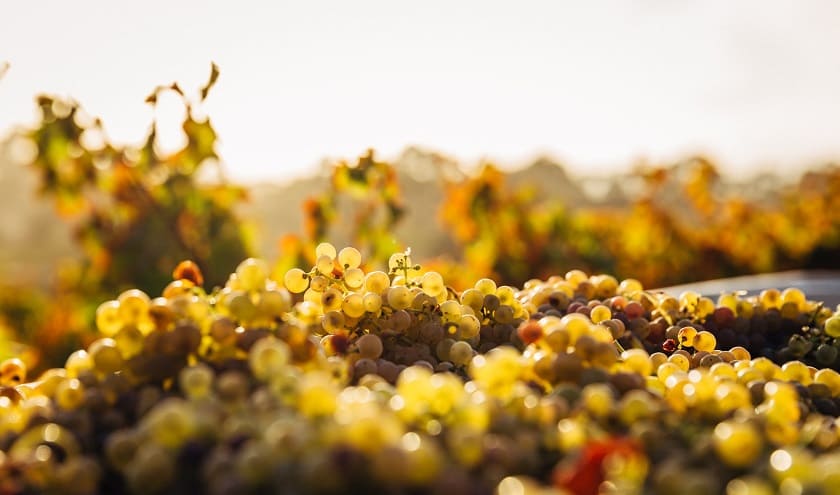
135	213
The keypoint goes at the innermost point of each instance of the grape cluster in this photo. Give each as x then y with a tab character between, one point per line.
341	380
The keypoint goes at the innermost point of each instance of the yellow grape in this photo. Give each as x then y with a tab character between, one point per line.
349	258
377	282
704	341
296	280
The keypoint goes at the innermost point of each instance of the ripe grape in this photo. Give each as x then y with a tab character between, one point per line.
296	280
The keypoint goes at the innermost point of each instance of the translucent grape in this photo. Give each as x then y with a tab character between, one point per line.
832	326
325	264
196	381
296	280
600	313
325	249
353	305
134	305
108	318
704	341
468	326
738	444
377	282
372	302
105	355
268	357
349	257
399	297
461	353
354	278
432	283
486	286
252	274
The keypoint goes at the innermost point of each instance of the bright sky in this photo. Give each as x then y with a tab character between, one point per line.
755	83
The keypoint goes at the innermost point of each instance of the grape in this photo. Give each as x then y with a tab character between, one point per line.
331	299
105	356
196	381
296	280
319	283
370	346
325	249
738	444
349	258
461	353
268	357
252	274
486	286
353	305
108	318
704	341
600	313
354	278
832	326
133	305
12	372
372	302
432	283
377	282
399	297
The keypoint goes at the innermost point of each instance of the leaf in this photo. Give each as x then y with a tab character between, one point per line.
214	76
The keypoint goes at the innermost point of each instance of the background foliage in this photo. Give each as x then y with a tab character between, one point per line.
136	213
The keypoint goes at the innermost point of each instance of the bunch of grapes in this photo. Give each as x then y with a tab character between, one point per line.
338	380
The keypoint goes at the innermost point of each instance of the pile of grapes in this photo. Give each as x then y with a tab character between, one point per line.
334	380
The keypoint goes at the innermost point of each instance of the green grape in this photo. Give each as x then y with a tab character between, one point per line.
268	357
252	274
795	296
105	355
196	381
372	302
576	277
689	300
486	286
354	278
432	283
826	354
749	485
638	361
69	394
12	372
686	336
171	422
353	305
349	258
377	282
274	303
598	399
120	447
333	321
503	314
108	318
473	298
296	280
629	286
468	326
704	341
460	353
506	294
770	298
370	346
240	306
451	311
399	297
832	326
325	249
331	299
600	313
78	362
134	304
737	443
319	283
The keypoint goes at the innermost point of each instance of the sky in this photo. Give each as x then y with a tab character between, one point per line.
597	85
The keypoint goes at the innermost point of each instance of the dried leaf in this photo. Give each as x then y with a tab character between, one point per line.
214	76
